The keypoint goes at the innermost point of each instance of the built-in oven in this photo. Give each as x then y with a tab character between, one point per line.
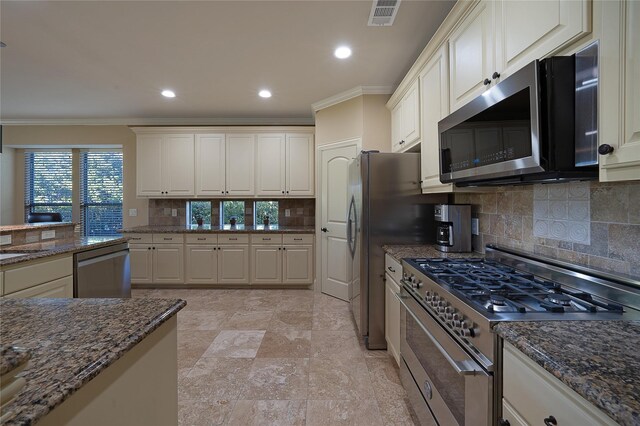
446	386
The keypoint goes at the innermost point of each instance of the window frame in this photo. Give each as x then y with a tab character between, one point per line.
190	215
29	203
240	220
260	221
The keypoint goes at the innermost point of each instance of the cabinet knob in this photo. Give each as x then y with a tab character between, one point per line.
550	421
486	82
287	192
148	248
283	192
495	75
401	142
605	149
504	422
222	192
324	229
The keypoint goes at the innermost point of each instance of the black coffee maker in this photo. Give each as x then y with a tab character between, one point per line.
453	227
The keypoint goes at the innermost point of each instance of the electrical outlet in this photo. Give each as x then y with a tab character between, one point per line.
287	212
174	212
47	235
475	225
5	239
133	212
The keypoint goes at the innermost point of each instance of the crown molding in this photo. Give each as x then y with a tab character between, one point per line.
241	121
350	94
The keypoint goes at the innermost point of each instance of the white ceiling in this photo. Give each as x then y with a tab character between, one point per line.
110	59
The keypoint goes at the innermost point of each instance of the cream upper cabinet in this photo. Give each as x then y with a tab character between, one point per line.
270	164
434	86
300	168
210	164
165	165
529	30
405	120
471	55
619	120
240	164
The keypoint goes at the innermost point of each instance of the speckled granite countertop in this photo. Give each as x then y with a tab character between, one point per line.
11	357
31	226
208	229
71	341
598	359
54	247
399	252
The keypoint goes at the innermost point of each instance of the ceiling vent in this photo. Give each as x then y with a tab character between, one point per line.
383	12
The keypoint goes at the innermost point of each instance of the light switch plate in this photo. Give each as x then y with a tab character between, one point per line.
475	224
287	212
5	239
133	212
47	235
174	212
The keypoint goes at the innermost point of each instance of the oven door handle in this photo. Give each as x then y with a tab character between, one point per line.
464	368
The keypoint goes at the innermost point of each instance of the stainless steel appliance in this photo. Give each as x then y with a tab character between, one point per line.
453	227
537	125
451	358
385	207
102	272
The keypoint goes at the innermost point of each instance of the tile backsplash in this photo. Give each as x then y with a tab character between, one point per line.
587	223
302	212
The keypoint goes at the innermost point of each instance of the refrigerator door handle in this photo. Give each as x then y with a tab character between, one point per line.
352	226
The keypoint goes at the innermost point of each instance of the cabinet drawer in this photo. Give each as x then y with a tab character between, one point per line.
233	239
266	239
393	268
168	238
202	239
140	238
60	288
298	239
37	273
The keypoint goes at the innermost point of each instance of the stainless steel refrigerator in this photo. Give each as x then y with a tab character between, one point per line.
385	207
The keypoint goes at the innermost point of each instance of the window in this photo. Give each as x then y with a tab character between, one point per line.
231	209
100	192
48	183
199	209
266	209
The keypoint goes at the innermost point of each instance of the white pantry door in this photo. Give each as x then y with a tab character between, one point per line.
334	181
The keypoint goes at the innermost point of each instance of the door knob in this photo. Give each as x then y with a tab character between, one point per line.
324	229
605	149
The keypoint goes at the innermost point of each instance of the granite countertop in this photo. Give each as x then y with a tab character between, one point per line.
208	229
71	341
12	357
30	226
55	247
399	252
597	359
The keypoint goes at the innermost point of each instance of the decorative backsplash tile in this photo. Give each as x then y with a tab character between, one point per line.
562	212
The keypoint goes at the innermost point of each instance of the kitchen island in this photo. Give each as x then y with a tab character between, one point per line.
92	361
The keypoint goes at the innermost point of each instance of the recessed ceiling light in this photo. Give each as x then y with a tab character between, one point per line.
342	52
168	93
264	93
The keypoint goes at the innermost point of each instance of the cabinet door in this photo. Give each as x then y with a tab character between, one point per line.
62	287
392	318
619	110
240	164
201	264
300	165
233	264
396	128
266	264
210	165
528	30
149	165
471	55
297	264
141	263
270	164
168	264
411	116
434	86
178	165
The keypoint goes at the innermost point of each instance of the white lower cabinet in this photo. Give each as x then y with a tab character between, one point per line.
62	287
297	264
40	278
393	274
531	395
266	264
156	259
233	264
168	263
201	264
141	263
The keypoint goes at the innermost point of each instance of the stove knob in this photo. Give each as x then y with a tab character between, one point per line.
449	310
457	317
448	315
440	310
442	303
456	323
427	296
466	329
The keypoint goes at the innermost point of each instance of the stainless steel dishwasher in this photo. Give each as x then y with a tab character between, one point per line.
102	272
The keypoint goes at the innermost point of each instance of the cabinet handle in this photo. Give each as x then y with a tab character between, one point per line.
605	149
550	421
391	269
232	239
136	239
202	239
266	239
168	239
495	75
324	229
297	239
486	82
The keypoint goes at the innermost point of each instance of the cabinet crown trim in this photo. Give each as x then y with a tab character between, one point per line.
226	130
350	94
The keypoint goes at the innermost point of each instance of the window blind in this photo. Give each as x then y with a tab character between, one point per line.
48	182
101	192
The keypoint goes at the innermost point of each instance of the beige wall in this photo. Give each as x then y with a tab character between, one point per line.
364	117
7	171
76	136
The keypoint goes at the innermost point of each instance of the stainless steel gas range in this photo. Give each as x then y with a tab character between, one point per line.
451	358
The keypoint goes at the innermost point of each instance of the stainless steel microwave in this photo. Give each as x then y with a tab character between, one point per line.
538	125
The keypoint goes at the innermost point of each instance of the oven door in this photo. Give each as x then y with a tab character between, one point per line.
456	388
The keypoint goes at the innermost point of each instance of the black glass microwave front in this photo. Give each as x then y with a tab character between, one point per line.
520	130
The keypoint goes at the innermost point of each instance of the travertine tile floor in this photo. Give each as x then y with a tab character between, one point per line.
279	357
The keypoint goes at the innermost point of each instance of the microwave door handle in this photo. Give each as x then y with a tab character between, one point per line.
464	368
